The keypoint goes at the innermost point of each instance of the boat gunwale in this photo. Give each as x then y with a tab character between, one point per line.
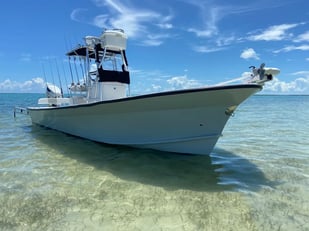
151	95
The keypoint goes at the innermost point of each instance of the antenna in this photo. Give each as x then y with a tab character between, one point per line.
65	78
44	74
51	71
76	70
71	70
59	77
81	67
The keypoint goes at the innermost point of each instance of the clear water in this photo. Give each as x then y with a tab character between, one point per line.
256	178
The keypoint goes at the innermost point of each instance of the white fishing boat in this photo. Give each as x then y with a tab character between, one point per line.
101	108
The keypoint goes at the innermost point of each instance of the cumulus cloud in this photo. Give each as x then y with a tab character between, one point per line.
296	86
249	54
182	82
35	85
157	81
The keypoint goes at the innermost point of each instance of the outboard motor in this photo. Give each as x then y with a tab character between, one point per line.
53	91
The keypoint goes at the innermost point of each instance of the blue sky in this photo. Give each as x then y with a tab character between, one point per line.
172	44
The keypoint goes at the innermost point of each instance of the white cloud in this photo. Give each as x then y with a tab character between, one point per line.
206	49
135	21
304	47
35	85
154	40
131	22
156	88
302	37
244	78
301	73
296	86
249	54
224	41
274	33
211	15
156	81
76	14
203	32
151	42
165	25
182	82
211	12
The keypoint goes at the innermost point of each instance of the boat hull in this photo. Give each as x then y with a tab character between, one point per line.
184	121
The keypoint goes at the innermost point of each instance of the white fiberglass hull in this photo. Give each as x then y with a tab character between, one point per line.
185	121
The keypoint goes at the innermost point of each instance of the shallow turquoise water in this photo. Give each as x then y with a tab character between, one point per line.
256	178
